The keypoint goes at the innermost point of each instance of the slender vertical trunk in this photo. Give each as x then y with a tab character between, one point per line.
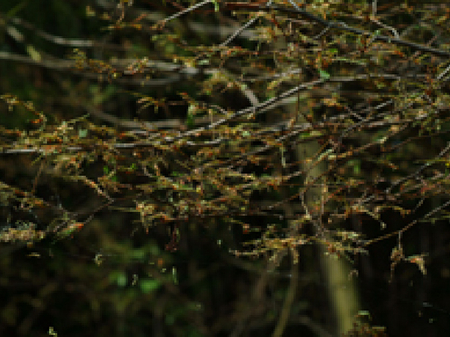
342	289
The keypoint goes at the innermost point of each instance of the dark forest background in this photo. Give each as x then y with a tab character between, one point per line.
115	278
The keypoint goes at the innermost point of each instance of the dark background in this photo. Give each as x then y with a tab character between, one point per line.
113	280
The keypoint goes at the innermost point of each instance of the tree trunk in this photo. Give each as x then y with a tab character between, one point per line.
341	287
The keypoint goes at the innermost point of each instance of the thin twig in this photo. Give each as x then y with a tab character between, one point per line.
187	10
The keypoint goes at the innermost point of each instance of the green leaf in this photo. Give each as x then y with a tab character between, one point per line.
364	313
120	278
149	285
82	133
190	118
204	62
333	51
323	74
216	5
33	53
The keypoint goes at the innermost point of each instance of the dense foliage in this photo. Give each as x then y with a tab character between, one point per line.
179	132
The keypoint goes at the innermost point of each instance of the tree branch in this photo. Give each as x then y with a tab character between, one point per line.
338	26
